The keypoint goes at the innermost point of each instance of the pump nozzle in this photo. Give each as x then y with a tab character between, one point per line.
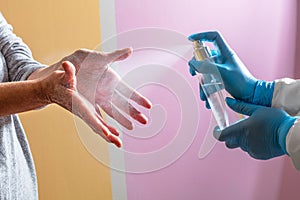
201	51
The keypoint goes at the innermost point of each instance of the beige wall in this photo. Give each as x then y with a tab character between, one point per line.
53	28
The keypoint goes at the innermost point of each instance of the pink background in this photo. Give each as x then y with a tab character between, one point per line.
263	33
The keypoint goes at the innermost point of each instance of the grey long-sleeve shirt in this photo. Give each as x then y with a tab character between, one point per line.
17	172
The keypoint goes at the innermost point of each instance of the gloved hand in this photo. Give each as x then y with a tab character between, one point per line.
237	80
262	134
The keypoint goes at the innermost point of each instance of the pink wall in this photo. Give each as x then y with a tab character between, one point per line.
263	34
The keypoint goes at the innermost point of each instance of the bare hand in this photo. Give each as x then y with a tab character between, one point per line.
60	87
103	87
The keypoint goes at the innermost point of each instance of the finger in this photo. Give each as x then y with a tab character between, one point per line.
203	97
70	77
216	38
121	103
241	107
109	133
192	71
86	112
230	140
110	128
234	136
132	94
111	110
214	53
217	59
259	156
233	130
232	143
203	67
207	105
108	136
69	68
202	94
115	140
120	54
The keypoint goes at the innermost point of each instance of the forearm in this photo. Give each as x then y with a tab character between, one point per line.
16	97
42	72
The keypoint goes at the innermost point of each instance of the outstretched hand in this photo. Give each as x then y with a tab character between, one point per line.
83	83
60	88
103	87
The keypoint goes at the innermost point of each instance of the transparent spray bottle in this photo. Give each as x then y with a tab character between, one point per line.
212	87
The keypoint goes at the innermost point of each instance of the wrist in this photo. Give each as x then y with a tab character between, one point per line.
263	93
283	132
42	91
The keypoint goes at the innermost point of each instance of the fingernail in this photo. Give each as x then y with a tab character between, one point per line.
143	119
148	104
119	145
140	118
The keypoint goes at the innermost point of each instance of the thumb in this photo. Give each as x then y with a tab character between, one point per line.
120	54
241	107
70	78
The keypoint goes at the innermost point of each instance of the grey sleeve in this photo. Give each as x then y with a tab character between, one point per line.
17	55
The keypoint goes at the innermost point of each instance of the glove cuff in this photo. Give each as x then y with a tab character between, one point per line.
283	131
263	93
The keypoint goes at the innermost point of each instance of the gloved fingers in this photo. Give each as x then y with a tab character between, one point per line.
192	71
232	134
231	143
202	94
243	140
214	53
230	140
241	107
203	97
260	156
203	67
216	38
207	105
256	156
217	59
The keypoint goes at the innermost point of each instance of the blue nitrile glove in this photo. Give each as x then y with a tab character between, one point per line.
237	80
262	134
